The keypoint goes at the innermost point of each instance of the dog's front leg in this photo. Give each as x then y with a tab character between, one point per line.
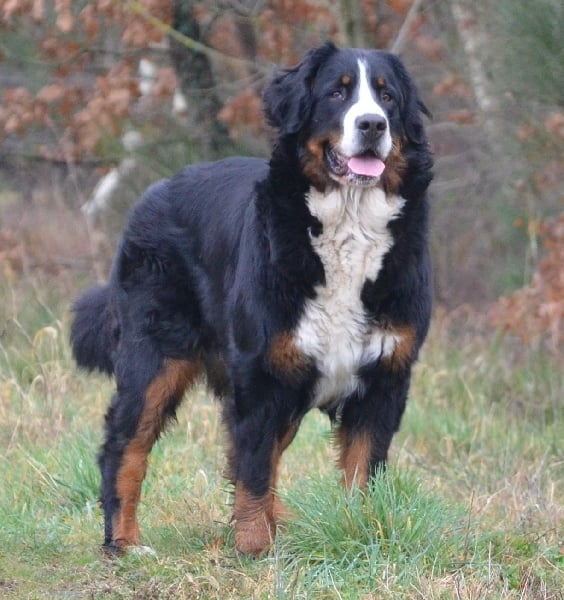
368	421
258	438
255	527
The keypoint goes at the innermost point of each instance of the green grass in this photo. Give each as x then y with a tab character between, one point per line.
349	542
471	506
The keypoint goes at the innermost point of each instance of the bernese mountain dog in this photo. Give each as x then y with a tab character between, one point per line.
293	283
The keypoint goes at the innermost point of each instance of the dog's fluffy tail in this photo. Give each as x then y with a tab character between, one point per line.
93	334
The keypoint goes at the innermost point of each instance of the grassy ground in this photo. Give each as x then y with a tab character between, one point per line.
472	506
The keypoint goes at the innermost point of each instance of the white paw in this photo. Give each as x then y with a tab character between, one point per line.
142	551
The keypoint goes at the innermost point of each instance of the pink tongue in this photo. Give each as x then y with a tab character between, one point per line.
372	167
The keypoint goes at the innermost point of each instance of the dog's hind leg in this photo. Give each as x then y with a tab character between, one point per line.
134	421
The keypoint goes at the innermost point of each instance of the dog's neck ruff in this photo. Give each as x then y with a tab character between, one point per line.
335	329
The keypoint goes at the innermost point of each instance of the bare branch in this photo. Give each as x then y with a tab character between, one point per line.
399	42
211	53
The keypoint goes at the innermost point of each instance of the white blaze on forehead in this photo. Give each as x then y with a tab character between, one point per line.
365	104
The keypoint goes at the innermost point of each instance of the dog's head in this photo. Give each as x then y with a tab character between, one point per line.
355	116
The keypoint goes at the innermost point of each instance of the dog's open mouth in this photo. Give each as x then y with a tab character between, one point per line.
362	169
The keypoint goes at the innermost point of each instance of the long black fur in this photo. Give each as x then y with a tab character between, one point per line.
217	261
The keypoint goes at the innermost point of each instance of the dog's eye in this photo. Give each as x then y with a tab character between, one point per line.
339	94
386	97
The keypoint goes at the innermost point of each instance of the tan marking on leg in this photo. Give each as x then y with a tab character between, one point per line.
256	517
254	523
169	384
355	457
128	488
279	512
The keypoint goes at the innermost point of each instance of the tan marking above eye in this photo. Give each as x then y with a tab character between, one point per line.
345	79
381	81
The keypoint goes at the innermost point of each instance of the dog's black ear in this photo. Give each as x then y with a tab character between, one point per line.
287	98
414	128
412	107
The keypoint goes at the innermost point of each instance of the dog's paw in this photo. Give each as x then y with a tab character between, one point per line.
280	513
119	548
254	538
142	551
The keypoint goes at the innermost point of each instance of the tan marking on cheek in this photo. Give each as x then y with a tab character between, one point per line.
170	384
315	148
396	166
313	160
313	164
355	457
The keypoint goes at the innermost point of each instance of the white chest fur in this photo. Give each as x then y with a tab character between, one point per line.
334	329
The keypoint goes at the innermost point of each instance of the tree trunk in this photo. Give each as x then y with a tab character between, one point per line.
353	30
470	25
196	80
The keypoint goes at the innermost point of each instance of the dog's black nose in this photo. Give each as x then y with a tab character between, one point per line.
371	126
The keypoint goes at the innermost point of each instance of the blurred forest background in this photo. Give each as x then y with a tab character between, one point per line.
99	98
